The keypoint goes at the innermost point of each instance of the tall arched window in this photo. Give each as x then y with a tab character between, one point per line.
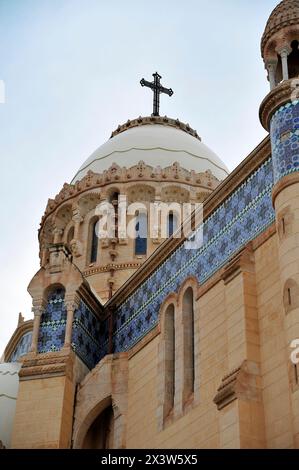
169	337
94	241
53	322
188	341
171	224
293	60
141	234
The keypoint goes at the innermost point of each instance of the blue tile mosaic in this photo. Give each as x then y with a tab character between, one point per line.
285	140
53	323
22	347
86	335
238	220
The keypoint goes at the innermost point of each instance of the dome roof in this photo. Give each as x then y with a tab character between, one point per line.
158	142
285	14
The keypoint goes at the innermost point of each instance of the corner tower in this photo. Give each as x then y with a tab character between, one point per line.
279	114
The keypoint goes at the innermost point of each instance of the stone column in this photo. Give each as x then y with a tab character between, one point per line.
155	224
104	241
271	67
239	396
71	306
122	219
77	219
37	310
284	60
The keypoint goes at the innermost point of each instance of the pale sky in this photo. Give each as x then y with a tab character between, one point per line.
72	69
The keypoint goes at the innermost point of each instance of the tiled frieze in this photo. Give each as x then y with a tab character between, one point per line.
285	140
243	216
87	332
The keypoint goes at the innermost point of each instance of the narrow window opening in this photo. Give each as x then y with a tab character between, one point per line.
293	60
141	234
289	296
189	350
283	226
296	374
172	224
169	360
94	242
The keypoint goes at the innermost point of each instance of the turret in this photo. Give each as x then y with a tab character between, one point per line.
279	114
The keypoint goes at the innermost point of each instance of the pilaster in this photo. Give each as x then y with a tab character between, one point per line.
239	397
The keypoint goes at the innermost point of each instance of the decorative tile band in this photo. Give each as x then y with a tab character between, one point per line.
285	140
22	347
53	322
241	218
86	336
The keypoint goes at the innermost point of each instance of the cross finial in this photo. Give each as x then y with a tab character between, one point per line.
157	89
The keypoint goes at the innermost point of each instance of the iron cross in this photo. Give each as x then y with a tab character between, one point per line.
157	89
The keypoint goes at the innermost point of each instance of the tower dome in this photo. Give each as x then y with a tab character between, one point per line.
280	43
158	142
284	15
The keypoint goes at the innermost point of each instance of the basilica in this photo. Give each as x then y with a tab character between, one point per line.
145	341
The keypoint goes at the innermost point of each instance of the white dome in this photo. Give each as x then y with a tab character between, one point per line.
157	145
9	384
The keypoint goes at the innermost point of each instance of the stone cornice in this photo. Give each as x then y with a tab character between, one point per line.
241	383
278	97
103	269
48	364
173	174
226	392
222	192
152	120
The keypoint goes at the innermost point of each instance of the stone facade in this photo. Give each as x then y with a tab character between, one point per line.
193	349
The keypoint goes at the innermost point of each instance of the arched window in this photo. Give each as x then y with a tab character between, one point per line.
293	60
171	224
169	336
188	341
278	73
53	322
22	347
93	242
141	234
